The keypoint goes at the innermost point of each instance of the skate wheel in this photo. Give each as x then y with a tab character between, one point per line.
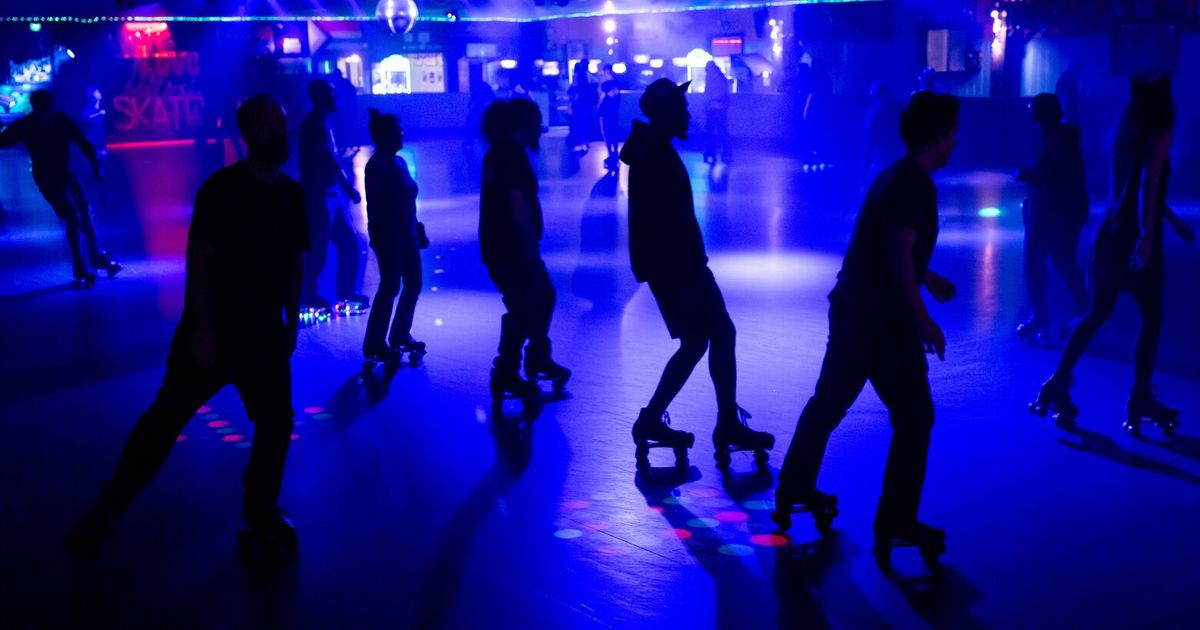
1168	428
932	558
1037	410
824	523
782	518
681	457
1133	427
723	459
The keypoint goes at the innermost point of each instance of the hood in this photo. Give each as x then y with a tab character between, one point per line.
643	143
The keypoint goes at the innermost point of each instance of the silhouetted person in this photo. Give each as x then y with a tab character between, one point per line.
395	237
320	171
582	101
879	331
239	326
1067	91
666	250
1054	212
881	142
510	232
1128	253
716	114
610	121
482	95
94	117
48	135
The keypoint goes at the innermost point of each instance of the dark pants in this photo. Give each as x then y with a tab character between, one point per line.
71	206
899	373
326	224
529	297
1060	244
396	263
264	382
716	128
694	311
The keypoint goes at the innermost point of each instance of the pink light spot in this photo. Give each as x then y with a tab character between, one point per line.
204	409
235	437
658	508
732	517
577	504
219	424
295	437
769	540
179	438
683	534
313	410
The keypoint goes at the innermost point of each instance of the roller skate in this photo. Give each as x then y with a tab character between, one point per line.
112	268
85	280
413	348
1146	409
1032	331
83	540
389	358
1055	398
507	383
652	431
929	541
822	506
355	300
269	538
733	434
545	369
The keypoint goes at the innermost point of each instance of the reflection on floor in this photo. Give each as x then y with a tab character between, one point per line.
418	507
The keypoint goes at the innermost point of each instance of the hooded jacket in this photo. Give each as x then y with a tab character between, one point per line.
665	243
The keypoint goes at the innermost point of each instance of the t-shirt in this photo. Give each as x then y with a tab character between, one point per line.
256	230
506	168
903	195
48	137
391	201
318	166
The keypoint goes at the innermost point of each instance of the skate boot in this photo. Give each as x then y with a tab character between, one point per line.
85	281
269	538
733	434
507	383
545	369
112	268
929	541
382	355
822	506
1031	331
355	301
83	540
650	431
415	349
1145	409
1055	398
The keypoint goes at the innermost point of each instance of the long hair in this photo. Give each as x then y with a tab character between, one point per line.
1150	112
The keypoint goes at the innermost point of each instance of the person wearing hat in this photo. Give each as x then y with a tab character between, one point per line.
667	251
1054	212
880	331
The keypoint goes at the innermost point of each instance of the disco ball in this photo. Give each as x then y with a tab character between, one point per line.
398	16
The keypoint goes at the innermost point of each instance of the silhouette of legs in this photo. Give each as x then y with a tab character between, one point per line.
1064	248
529	297
1035	272
318	230
71	206
1149	298
1104	300
900	377
351	256
407	306
396	264
676	373
722	363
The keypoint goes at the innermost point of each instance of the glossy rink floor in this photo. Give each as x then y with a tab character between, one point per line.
416	507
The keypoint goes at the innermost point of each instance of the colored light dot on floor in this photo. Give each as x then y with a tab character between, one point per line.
433	289
703	523
322	416
295	437
575	504
313	410
568	534
234	437
672	501
658	509
438	322
769	540
758	505
736	550
204	409
989	213
681	534
180	438
218	424
225	431
732	517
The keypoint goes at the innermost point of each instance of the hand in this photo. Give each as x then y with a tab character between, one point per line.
940	288
933	339
1141	255
204	348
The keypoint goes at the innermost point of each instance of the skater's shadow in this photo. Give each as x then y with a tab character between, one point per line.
1182	445
360	393
439	591
742	485
942	598
814	587
34	294
596	276
1103	446
742	597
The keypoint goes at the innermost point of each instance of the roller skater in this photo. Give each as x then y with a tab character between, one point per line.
1128	253
239	326
397	238
510	229
667	251
269	538
929	541
1054	214
48	135
880	331
654	431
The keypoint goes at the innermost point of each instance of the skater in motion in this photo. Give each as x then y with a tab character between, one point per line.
239	325
510	230
48	135
582	102
610	120
1128	255
396	237
880	331
1054	212
716	115
320	172
667	252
